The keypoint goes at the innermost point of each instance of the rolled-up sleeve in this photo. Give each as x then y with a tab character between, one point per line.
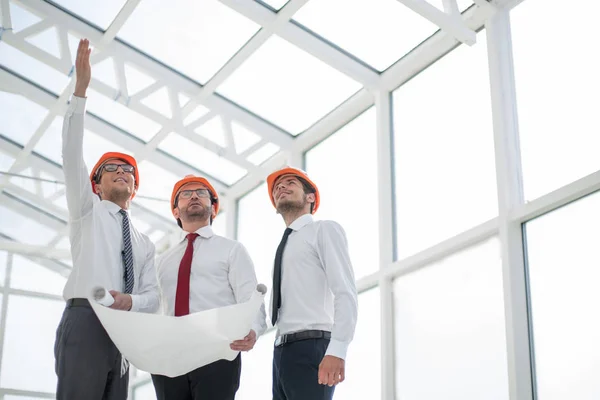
242	278
333	251
77	180
147	298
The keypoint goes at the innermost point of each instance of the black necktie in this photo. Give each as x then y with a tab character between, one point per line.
127	254
277	276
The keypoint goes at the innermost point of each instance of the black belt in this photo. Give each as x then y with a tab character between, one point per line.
303	335
78	303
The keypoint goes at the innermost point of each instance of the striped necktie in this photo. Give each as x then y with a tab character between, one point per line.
127	254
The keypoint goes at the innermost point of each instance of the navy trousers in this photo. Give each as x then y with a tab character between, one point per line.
296	369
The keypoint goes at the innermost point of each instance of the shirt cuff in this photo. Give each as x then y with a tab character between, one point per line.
337	349
77	105
258	329
135	302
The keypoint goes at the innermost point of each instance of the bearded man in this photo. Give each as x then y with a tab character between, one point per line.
203	271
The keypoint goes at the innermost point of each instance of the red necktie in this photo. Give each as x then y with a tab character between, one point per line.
182	297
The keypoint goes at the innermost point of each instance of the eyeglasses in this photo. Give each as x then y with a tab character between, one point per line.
113	167
186	194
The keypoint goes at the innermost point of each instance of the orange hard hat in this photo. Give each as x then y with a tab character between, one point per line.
196	179
121	156
271	179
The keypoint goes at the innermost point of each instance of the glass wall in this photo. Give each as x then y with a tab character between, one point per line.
449	328
444	150
563	259
556	73
348	187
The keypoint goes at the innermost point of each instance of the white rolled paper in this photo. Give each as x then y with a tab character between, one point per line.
261	288
102	296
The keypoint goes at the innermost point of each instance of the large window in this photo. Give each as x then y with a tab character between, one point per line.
449	327
563	259
444	154
556	72
363	361
344	166
256	379
27	351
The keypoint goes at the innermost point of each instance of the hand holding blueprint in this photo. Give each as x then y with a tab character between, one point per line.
174	346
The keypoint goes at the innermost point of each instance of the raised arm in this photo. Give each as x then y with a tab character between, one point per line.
77	181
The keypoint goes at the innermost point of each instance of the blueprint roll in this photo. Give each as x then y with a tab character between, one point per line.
102	296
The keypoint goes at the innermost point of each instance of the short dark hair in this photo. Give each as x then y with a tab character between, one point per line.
308	188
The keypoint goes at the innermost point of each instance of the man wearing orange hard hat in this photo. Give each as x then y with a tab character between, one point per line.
204	271
312	269
107	251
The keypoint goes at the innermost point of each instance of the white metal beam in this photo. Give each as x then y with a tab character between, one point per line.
245	52
556	199
305	40
387	241
443	249
124	53
450	22
510	197
33	250
6	23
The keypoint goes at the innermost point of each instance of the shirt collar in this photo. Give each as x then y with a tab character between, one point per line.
301	222
205	232
113	208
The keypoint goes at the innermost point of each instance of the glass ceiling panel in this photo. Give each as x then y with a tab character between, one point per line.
288	86
201	35
213	131
19	227
95	145
243	138
50	143
379	32
104	71
197	156
46	40
265	152
32	69
156	182
98	13
20	117
21	17
121	116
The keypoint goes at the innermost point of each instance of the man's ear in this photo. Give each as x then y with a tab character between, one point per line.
214	210
310	197
176	213
97	187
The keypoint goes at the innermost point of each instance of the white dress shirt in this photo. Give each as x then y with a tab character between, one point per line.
96	229
317	283
222	274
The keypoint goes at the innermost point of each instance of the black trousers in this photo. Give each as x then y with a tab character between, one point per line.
296	371
88	364
219	380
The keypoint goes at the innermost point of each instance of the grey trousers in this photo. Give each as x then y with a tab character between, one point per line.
88	364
